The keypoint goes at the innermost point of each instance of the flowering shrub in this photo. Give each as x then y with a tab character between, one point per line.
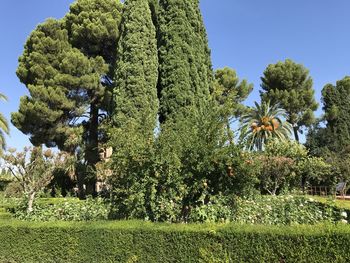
286	210
90	209
268	210
218	209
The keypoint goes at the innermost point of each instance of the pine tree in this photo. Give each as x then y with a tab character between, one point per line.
67	67
44	68
64	89
93	27
185	72
136	78
229	93
289	85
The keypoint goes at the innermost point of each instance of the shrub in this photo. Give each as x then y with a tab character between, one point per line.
14	189
286	210
189	163
130	241
76	210
268	210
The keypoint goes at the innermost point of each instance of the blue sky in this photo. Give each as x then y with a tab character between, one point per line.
246	35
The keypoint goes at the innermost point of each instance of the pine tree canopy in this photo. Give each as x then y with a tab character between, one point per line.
66	66
229	92
185	72
93	27
290	85
59	79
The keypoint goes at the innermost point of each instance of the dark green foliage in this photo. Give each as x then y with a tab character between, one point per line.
330	138
136	78
66	66
61	184
132	170
61	82
229	92
188	164
132	241
185	73
64	86
289	84
135	113
337	117
39	65
93	27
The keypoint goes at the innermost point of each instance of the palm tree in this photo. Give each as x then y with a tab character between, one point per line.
262	123
4	126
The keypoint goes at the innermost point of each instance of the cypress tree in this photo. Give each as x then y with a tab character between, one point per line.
337	107
137	64
136	107
185	72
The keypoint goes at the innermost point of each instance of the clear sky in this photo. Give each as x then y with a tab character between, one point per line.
246	35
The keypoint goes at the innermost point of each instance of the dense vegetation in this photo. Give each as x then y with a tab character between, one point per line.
133	241
146	129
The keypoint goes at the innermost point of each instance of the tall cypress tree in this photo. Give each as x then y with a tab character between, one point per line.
136	78
185	72
337	107
136	107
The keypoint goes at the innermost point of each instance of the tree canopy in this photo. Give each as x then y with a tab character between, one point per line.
335	136
263	123
65	66
185	71
290	85
135	93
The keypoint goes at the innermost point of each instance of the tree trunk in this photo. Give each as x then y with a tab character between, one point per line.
296	135
31	201
92	156
80	181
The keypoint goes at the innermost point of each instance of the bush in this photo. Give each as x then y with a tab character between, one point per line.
130	241
14	189
268	210
187	164
286	210
68	210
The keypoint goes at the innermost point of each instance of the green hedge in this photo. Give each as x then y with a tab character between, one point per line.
134	241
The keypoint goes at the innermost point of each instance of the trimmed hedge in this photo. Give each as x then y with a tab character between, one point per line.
135	241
